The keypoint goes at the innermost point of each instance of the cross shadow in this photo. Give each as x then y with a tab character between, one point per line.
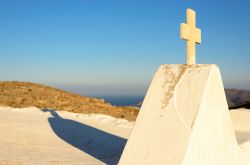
97	143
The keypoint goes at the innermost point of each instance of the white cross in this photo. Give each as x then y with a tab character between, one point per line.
192	34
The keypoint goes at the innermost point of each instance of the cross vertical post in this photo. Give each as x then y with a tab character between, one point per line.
192	35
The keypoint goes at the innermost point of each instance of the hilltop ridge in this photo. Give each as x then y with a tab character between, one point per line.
26	94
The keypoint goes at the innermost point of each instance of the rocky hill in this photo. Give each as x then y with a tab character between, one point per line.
237	98
25	94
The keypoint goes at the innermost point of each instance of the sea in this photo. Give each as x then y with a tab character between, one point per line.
122	100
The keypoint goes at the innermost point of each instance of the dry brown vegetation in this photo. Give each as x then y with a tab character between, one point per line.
26	94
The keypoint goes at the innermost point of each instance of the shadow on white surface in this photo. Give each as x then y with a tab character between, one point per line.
97	143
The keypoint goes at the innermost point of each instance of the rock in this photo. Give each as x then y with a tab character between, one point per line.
237	98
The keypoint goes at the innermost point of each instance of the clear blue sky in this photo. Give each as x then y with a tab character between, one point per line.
113	47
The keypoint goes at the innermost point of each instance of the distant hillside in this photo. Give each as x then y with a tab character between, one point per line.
238	98
25	94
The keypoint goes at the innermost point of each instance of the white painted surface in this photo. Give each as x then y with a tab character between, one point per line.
26	137
184	119
241	123
30	136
